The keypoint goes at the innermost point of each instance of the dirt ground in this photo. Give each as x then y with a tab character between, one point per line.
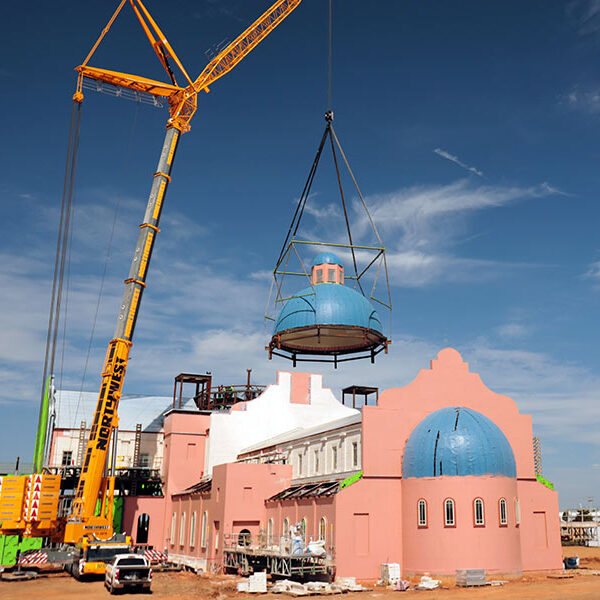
170	586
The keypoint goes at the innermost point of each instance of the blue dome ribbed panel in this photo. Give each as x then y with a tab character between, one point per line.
326	258
457	441
330	304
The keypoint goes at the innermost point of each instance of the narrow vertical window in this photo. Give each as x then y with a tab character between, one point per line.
449	516
300	469
502	512
334	459
203	530
319	275
355	454
270	532
303	528
517	512
173	520
316	461
322	529
422	513
193	530
182	529
478	515
331	275
286	528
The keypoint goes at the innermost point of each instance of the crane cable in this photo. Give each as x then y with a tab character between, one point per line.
61	250
107	260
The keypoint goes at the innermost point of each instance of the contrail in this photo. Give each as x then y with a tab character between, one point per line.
459	162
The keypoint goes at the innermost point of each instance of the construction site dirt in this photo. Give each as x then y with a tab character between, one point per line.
581	584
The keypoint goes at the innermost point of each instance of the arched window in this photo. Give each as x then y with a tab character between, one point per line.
478	513
193	530
204	530
517	512
323	529
449	513
503	516
143	525
182	529
270	532
303	528
172	536
286	528
422	513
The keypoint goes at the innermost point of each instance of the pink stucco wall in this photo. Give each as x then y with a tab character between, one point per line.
368	527
154	507
540	527
236	501
440	549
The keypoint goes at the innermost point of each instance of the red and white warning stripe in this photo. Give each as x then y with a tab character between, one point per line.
33	557
36	492
155	556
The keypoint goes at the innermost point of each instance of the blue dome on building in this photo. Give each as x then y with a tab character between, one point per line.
326	258
457	441
327	304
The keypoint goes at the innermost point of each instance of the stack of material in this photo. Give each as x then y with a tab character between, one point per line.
427	583
348	584
470	577
390	573
257	583
292	588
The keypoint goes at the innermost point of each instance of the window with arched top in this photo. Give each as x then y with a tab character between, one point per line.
517	512
502	514
322	529
193	530
173	521
182	529
478	513
449	513
422	513
143	526
303	528
285	532
270	532
204	530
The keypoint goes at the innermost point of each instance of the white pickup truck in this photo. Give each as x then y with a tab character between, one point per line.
128	571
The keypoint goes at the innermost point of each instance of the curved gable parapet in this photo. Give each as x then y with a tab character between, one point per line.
449	383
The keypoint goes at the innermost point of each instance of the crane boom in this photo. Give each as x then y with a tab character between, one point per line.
82	520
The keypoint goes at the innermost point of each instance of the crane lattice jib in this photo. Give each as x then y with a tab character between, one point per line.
182	102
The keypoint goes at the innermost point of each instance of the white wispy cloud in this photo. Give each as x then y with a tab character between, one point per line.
459	162
582	99
422	225
513	329
584	16
593	272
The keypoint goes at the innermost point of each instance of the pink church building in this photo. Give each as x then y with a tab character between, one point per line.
438	476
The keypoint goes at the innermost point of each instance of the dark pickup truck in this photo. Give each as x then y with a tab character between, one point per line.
128	571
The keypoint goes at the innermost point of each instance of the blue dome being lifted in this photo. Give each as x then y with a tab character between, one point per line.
327	304
328	318
457	441
326	258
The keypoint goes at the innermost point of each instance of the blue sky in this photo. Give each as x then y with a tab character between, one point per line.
473	131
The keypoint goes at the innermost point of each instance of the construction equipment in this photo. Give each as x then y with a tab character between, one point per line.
29	505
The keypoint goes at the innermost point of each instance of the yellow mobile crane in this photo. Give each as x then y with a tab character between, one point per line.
29	504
